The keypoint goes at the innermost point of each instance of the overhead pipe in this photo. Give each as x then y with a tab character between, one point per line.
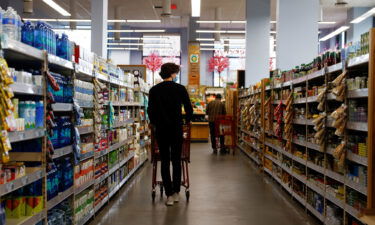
72	4
218	14
117	25
28	6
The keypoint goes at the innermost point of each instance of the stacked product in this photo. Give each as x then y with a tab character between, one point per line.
83	205
289	122
100	95
61	214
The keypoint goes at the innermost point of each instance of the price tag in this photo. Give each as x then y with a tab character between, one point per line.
9	187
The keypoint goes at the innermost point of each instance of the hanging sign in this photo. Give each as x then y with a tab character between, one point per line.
194	63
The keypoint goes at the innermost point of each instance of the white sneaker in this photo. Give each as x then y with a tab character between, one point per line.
170	201
176	197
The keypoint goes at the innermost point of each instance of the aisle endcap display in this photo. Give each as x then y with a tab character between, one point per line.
308	106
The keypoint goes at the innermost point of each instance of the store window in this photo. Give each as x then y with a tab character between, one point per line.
166	46
236	62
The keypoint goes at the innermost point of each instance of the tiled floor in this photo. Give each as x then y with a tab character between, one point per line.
225	190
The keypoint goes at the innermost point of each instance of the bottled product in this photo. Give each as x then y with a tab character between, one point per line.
1	27
39	117
38	36
9	24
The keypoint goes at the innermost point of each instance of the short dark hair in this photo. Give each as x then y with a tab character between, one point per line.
167	69
218	96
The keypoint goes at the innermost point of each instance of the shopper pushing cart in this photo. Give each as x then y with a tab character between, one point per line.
215	109
165	113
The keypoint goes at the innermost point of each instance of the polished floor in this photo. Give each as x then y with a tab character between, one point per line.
225	190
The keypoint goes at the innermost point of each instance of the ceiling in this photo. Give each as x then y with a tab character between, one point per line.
144	9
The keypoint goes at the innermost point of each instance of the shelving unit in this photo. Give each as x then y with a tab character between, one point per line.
306	170
22	56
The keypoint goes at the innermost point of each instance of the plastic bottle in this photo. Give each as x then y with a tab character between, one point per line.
1	20
39	114
38	39
32	114
18	25
9	23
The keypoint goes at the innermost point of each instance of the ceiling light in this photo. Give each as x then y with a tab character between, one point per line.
208	49
125	38
272	32
205	39
327	22
120	31
116	21
122	49
222	31
139	44
73	20
273	21
207	44
334	33
36	19
150	31
195	8
143	21
56	7
238	21
364	16
213	21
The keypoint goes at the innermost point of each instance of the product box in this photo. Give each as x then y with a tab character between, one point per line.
34	205
15	207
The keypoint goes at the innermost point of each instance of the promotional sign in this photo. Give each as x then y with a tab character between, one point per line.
194	63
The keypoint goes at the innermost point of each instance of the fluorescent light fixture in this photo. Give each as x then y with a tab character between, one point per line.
79	27
140	44
56	7
208	44
136	31
122	49
273	21
222	31
334	33
213	21
208	49
74	20
327	22
141	38
116	21
126	38
272	32
36	19
195	8
143	21
230	45
364	16
205	39
149	31
238	21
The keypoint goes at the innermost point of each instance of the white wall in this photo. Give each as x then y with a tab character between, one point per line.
119	57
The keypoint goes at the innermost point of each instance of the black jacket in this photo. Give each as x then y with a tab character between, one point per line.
165	105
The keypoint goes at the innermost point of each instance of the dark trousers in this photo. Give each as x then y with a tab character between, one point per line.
170	147
213	136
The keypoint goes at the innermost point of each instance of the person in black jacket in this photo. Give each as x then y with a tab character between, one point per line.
165	112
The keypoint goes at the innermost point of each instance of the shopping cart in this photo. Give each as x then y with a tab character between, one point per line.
185	160
224	126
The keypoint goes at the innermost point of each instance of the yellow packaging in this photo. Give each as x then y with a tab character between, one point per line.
34	205
15	207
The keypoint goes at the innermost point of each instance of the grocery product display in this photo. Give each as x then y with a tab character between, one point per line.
314	138
74	128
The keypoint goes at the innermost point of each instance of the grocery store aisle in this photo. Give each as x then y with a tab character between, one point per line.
224	190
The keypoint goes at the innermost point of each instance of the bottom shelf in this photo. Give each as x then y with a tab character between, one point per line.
27	220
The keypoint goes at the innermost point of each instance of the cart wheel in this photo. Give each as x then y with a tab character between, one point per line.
153	194
161	191
187	192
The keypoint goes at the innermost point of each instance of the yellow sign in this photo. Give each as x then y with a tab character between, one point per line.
194	63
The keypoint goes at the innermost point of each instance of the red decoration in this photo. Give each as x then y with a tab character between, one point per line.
153	62
218	64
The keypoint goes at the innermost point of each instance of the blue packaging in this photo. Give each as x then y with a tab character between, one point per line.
38	36
65	125
39	120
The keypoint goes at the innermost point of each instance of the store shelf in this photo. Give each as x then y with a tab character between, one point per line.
360	126
299	160
299	80
360	188
299	198
62	107
32	175
85	219
268	171
314	146
315	167
87	155
18	51
352	211
118	145
299	177
356	158
359	93
27	220
335	68
312	99
299	101
85	130
26	89
59	198
123	123
334	200
316	74
358	60
127	159
315	212
62	152
131	174
60	63
286	187
314	187
17	136
83	187
286	169
335	176
101	204
84	103
101	178
101	153
249	155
